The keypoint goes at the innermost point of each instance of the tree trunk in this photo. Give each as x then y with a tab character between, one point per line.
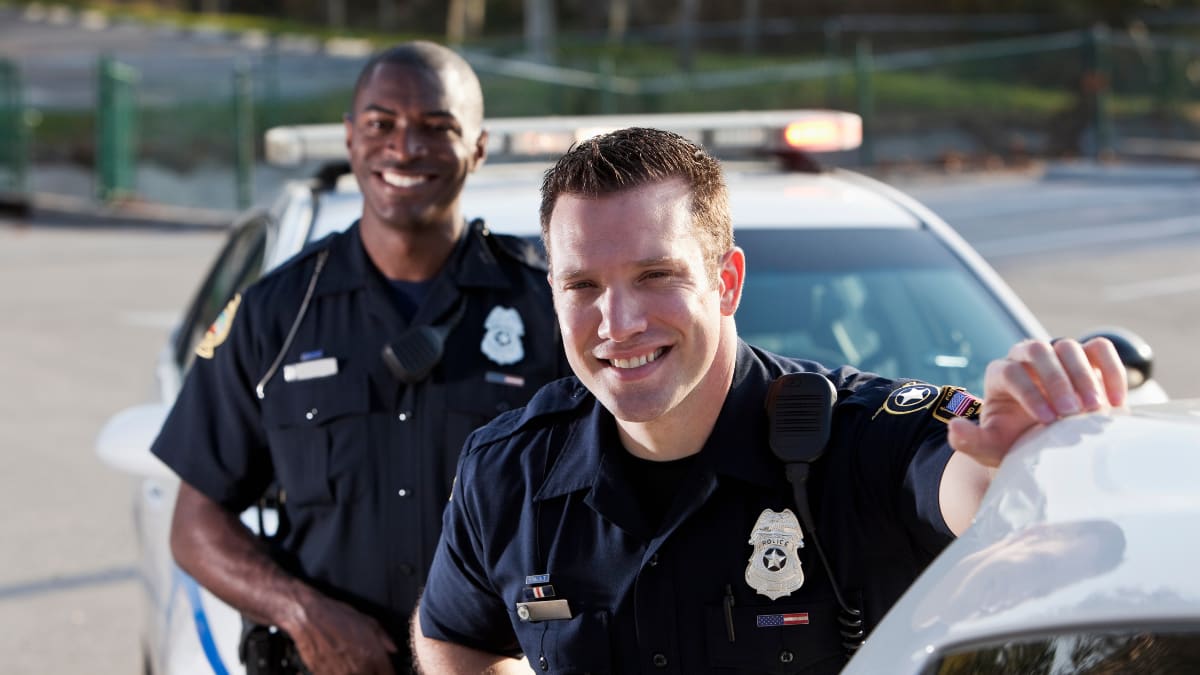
388	14
618	20
688	12
750	26
540	30
476	17
335	13
456	22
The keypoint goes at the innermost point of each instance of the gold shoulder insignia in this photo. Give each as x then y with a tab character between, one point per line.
219	330
909	398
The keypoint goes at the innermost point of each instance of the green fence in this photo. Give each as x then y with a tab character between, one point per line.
14	139
1079	93
116	129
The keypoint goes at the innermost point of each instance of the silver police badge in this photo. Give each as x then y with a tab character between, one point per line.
774	569
502	342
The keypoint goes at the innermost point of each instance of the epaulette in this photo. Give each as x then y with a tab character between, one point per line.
519	249
562	396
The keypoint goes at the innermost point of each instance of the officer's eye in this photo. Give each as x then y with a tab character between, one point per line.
378	125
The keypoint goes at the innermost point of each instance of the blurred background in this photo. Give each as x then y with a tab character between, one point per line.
167	101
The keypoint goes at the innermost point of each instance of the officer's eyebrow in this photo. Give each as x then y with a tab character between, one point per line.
375	107
656	261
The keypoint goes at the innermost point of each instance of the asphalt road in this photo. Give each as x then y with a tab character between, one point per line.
86	309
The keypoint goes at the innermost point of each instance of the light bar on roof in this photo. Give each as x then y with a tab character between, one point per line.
725	134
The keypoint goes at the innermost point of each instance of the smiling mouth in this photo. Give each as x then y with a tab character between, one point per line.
403	180
638	361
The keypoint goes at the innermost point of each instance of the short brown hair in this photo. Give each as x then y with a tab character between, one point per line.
637	156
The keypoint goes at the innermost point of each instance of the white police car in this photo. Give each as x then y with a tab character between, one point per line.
841	269
1082	559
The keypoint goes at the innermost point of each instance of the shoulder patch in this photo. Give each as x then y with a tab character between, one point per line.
956	402
219	330
909	398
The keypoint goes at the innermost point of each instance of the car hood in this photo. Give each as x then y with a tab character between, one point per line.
1090	522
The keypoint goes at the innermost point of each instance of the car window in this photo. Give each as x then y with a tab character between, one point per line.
1135	651
895	302
237	266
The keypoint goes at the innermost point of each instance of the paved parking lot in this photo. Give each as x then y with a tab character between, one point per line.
85	310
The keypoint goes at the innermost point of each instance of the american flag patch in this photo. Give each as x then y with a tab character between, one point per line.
956	402
504	378
772	620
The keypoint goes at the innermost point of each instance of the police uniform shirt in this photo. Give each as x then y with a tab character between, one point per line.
364	463
545	553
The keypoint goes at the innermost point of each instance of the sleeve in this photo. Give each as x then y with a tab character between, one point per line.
901	450
213	437
460	603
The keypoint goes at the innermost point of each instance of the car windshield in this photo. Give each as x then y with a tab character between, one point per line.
892	301
1135	651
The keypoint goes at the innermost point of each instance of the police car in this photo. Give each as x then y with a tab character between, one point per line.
1082	559
841	269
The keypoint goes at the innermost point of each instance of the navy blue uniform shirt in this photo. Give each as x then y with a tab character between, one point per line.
540	512
364	462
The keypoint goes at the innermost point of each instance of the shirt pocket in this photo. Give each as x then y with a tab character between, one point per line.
317	433
775	638
580	645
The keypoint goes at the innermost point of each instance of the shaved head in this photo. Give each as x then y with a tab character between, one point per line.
453	70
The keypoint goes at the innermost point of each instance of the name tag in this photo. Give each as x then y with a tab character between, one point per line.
310	370
545	610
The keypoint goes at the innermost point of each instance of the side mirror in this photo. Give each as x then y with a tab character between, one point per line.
1133	350
124	442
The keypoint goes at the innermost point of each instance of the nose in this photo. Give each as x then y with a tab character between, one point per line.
621	315
405	142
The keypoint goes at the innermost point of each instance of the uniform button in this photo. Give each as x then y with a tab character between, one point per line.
660	660
403	417
406	569
653	560
543	663
786	656
310	414
402	492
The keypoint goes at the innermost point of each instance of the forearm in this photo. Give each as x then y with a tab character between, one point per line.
439	656
212	545
964	482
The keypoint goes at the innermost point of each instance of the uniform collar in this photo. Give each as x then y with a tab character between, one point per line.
472	263
737	447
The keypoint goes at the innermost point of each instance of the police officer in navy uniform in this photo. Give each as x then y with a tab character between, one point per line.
634	519
350	378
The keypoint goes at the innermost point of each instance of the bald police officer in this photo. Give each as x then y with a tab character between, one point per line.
323	379
635	519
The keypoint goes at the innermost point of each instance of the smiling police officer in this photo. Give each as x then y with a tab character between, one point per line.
325	379
637	518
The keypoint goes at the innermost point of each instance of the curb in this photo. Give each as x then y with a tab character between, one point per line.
1121	172
54	209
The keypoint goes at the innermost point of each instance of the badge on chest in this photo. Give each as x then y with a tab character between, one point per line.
774	568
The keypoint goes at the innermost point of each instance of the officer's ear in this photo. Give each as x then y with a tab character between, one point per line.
731	276
480	150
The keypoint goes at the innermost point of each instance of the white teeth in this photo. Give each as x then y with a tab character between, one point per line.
637	361
401	180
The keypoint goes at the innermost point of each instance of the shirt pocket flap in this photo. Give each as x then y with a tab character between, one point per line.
308	403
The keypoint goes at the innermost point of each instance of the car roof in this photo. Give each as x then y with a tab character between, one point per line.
1090	524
